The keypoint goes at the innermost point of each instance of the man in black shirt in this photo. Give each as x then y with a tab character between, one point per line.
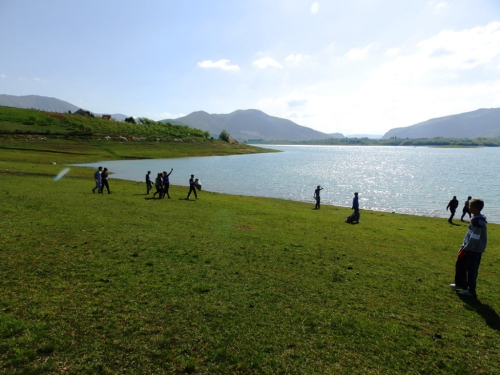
453	207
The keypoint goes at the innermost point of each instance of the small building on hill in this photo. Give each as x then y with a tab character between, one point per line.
82	112
106	117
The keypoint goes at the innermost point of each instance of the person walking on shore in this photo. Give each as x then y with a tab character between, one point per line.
166	184
469	255
105	183
98	180
149	184
317	197
466	209
158	185
192	188
452	206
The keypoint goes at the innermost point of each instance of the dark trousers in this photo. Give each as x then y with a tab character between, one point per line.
192	189
165	191
158	191
105	185
464	212
452	214
466	271
318	202
149	186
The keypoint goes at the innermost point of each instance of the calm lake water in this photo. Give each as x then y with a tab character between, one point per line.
409	180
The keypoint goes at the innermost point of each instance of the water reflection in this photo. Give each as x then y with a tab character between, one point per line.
412	180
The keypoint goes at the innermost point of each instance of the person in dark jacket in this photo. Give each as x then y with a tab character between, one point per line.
98	180
452	206
317	197
158	185
149	184
466	209
166	184
104	177
469	255
192	188
354	217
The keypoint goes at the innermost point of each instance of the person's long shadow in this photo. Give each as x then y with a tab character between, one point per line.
485	311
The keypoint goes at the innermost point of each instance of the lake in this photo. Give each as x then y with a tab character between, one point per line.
408	180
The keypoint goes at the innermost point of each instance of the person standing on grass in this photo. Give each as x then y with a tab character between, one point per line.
98	180
355	207
317	197
469	255
166	183
149	184
105	183
192	187
452	205
158	185
466	209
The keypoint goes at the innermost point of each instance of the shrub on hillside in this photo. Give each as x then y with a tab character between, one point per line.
224	135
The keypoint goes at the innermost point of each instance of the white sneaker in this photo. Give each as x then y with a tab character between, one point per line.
466	292
454	286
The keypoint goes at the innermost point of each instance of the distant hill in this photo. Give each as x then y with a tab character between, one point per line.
479	123
370	136
251	124
45	103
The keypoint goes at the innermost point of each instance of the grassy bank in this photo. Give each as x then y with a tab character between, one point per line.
123	284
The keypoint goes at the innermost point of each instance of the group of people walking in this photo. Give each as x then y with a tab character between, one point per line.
101	180
162	184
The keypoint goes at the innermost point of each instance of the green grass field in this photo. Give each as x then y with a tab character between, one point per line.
124	284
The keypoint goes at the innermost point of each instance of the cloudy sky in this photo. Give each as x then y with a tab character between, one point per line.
354	67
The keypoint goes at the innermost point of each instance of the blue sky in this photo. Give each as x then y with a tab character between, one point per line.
356	66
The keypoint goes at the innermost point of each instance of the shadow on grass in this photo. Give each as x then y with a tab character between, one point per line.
489	315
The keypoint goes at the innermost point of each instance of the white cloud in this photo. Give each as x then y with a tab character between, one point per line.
314	7
448	73
441	7
443	55
391	52
267	62
357	53
2	76
221	64
296	59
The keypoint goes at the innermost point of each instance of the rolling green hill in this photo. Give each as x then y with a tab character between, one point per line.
28	121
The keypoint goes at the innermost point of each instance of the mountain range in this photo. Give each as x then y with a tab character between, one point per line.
251	124
480	123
